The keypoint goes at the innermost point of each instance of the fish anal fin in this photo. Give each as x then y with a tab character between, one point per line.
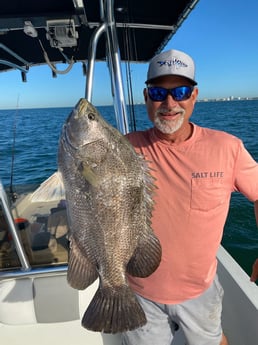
114	310
81	273
146	257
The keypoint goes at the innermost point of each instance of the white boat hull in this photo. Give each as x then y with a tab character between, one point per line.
240	306
44	310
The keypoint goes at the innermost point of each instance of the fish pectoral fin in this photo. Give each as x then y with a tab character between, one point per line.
88	173
146	257
81	273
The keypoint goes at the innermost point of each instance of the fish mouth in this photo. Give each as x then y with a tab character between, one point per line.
82	107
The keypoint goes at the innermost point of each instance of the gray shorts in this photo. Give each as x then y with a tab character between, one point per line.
199	319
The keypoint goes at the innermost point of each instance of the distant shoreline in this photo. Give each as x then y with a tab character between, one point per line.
225	99
228	99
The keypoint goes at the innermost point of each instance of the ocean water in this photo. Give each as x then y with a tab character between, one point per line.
28	155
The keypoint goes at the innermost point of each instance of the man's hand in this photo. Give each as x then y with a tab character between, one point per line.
254	275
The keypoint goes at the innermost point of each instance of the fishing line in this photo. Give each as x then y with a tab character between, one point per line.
14	195
128	49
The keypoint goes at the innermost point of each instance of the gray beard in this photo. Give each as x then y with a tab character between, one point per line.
168	127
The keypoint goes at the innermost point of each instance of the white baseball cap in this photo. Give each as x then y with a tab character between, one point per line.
171	62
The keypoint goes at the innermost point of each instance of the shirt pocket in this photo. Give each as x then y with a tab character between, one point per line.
207	194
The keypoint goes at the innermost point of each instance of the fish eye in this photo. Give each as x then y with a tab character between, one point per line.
91	116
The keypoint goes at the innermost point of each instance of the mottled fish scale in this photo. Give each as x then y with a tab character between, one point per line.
109	192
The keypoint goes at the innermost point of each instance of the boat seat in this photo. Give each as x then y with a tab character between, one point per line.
40	247
55	300
46	240
38	300
58	226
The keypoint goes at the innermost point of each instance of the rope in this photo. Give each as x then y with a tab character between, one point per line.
53	68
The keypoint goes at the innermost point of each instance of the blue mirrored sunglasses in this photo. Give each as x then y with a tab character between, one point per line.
180	93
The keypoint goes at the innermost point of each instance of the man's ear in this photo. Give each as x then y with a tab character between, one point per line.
145	94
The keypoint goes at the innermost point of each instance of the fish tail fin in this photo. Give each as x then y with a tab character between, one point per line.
114	310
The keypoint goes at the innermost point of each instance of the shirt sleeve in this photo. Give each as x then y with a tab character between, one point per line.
246	174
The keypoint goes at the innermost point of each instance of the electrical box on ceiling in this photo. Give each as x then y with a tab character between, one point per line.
62	33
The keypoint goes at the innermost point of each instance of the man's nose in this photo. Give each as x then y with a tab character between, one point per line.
170	101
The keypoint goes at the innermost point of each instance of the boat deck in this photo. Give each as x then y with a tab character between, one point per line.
51	306
43	231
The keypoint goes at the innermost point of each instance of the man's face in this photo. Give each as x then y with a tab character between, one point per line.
169	116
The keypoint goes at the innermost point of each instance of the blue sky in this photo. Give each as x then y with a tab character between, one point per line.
221	36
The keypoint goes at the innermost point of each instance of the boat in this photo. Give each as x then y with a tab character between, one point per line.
37	306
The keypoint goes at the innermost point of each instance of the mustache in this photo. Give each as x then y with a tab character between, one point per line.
169	110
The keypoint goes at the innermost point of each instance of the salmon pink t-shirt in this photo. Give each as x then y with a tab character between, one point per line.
195	180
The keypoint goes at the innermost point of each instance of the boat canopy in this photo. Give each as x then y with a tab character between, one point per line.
60	31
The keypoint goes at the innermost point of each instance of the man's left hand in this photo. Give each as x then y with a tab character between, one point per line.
254	275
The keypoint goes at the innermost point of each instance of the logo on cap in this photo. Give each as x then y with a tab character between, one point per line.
175	62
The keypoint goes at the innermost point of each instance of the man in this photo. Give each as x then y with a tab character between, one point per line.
254	275
196	169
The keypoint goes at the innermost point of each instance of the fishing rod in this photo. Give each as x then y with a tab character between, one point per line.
13	194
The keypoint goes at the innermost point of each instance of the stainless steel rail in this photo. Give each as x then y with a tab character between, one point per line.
114	64
91	60
34	273
10	221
